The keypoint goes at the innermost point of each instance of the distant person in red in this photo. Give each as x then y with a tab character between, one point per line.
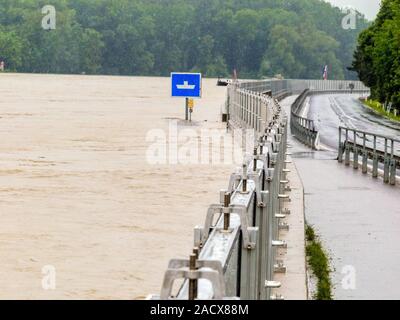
2	66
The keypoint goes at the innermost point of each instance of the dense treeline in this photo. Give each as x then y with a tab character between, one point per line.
295	38
377	58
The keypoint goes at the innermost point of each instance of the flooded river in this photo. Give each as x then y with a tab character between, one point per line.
84	213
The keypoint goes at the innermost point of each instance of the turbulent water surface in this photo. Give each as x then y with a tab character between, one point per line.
78	194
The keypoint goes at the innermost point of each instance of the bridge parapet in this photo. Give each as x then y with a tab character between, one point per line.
240	107
303	128
249	109
375	150
235	252
296	86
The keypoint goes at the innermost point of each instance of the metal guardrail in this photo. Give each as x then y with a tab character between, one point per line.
248	109
374	149
296	86
301	127
334	85
278	88
235	253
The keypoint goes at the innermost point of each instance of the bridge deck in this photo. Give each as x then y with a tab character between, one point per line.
357	216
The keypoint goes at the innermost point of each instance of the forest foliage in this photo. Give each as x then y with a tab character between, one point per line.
377	58
259	38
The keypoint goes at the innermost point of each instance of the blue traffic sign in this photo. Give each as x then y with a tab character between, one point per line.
186	85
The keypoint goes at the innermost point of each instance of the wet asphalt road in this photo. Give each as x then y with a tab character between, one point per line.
331	111
357	217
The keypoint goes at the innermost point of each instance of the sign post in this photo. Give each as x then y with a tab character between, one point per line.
187	109
186	85
190	104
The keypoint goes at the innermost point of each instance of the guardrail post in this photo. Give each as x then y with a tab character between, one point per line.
393	165
252	112
392	172
270	253
346	149
248	108
386	170
193	283
340	155
386	164
365	155
375	161
347	153
355	152
263	244
249	268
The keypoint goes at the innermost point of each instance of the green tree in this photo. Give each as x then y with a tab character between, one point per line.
257	37
91	50
377	58
11	49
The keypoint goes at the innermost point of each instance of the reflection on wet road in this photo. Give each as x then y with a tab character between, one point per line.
357	217
331	111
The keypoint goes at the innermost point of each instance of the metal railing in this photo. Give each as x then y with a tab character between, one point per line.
342	86
376	151
303	128
235	253
249	109
278	88
296	86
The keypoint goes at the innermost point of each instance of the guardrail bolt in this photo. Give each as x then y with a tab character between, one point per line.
244	178
192	282
227	203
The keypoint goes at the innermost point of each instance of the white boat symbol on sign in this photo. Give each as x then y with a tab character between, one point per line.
186	86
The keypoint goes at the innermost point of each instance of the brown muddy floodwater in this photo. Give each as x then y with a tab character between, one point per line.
78	194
